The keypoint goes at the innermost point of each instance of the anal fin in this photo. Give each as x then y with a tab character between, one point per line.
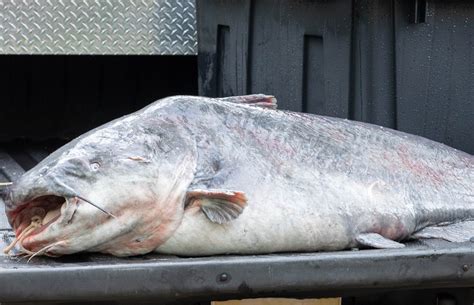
375	240
456	232
219	206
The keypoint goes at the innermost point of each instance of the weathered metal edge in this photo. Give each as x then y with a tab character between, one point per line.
318	274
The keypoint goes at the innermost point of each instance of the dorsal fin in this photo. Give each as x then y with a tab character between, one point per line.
255	100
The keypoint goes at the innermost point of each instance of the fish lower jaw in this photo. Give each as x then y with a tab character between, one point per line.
33	218
43	211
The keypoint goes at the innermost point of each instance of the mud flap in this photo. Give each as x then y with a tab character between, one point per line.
457	232
376	240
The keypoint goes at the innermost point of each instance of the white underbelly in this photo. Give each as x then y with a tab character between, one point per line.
257	231
283	216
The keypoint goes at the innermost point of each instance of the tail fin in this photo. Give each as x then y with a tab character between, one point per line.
457	232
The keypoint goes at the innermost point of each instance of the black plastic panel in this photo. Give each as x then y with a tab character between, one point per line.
223	58
45	97
373	97
435	72
268	45
404	64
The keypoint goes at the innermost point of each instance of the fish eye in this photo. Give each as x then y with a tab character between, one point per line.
95	166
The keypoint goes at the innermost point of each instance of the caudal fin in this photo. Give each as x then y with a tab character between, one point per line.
457	232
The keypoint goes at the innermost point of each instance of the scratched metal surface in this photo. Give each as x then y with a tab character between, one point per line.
158	27
167	278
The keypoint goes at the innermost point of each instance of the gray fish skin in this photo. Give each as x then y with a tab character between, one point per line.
315	183
312	183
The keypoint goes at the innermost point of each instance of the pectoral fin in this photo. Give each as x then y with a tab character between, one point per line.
457	232
375	240
256	100
220	206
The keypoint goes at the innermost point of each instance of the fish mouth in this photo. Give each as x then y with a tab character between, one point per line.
33	217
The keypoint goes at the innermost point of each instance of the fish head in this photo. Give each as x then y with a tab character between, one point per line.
118	190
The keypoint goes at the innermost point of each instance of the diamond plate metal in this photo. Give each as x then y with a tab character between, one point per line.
161	27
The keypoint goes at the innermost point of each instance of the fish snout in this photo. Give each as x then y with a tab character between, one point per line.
4	190
25	189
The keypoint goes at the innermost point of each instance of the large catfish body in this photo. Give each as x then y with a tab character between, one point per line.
232	177
317	183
